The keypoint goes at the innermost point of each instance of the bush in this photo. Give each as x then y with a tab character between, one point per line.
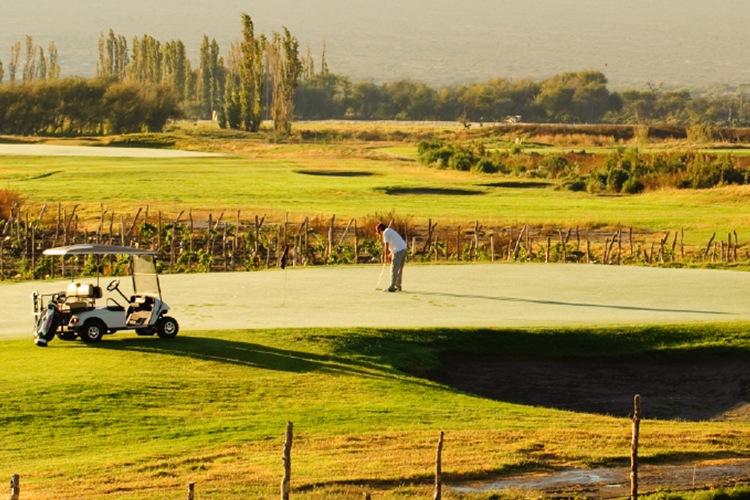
574	183
9	198
460	161
486	166
616	178
553	166
632	186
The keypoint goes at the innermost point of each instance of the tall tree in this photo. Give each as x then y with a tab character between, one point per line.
176	67
113	56
15	55
251	76
53	71
210	85
204	78
285	68
29	68
41	66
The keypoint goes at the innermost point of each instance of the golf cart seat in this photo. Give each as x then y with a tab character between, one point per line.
84	291
140	310
81	297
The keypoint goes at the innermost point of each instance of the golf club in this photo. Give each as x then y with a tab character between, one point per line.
377	287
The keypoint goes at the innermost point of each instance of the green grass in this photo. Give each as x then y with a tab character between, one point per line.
137	417
273	180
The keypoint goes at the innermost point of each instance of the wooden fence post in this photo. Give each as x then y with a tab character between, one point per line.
634	448
682	244
439	469
15	487
458	243
356	243
287	459
329	249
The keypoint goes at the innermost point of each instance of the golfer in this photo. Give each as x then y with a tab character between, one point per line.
395	248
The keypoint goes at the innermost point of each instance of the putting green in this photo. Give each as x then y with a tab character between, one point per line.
469	295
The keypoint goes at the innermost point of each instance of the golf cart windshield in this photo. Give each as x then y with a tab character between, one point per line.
145	279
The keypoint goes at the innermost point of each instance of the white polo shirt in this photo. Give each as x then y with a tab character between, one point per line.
394	240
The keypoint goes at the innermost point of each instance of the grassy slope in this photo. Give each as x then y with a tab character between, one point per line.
137	417
266	179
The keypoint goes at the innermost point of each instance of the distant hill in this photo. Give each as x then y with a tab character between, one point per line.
677	43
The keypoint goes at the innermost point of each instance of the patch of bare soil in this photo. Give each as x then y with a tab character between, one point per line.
614	483
715	387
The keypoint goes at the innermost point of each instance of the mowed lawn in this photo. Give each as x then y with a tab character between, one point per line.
351	181
140	418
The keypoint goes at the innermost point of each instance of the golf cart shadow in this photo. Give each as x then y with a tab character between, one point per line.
244	354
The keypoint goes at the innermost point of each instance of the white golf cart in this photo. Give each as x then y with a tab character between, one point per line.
81	310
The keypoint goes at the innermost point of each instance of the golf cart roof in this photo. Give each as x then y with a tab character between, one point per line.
90	249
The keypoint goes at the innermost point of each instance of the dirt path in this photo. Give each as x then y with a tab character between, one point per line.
614	483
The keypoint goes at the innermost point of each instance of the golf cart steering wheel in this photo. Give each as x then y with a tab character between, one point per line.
113	285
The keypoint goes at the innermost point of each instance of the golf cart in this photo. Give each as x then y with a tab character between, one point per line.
82	310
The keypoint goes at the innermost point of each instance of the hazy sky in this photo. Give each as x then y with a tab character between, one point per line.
634	42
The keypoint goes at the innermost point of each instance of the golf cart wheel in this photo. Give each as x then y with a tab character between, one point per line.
92	331
167	327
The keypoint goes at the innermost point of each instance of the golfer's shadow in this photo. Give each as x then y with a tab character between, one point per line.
563	303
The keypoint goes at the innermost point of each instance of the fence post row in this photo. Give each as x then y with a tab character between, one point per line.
24	238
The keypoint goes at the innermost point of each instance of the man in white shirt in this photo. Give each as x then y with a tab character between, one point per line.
395	248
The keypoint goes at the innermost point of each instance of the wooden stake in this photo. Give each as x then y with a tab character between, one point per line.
439	469
634	448
287	459
15	487
356	243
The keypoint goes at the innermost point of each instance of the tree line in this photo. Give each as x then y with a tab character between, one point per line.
267	78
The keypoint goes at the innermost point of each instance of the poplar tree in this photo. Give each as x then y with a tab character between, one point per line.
176	67
113	56
41	66
285	69
219	75
29	67
251	77
210	84
204	79
105	63
53	71
15	55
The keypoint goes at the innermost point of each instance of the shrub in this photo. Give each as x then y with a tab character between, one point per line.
553	166
9	198
460	161
574	183
486	166
632	186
